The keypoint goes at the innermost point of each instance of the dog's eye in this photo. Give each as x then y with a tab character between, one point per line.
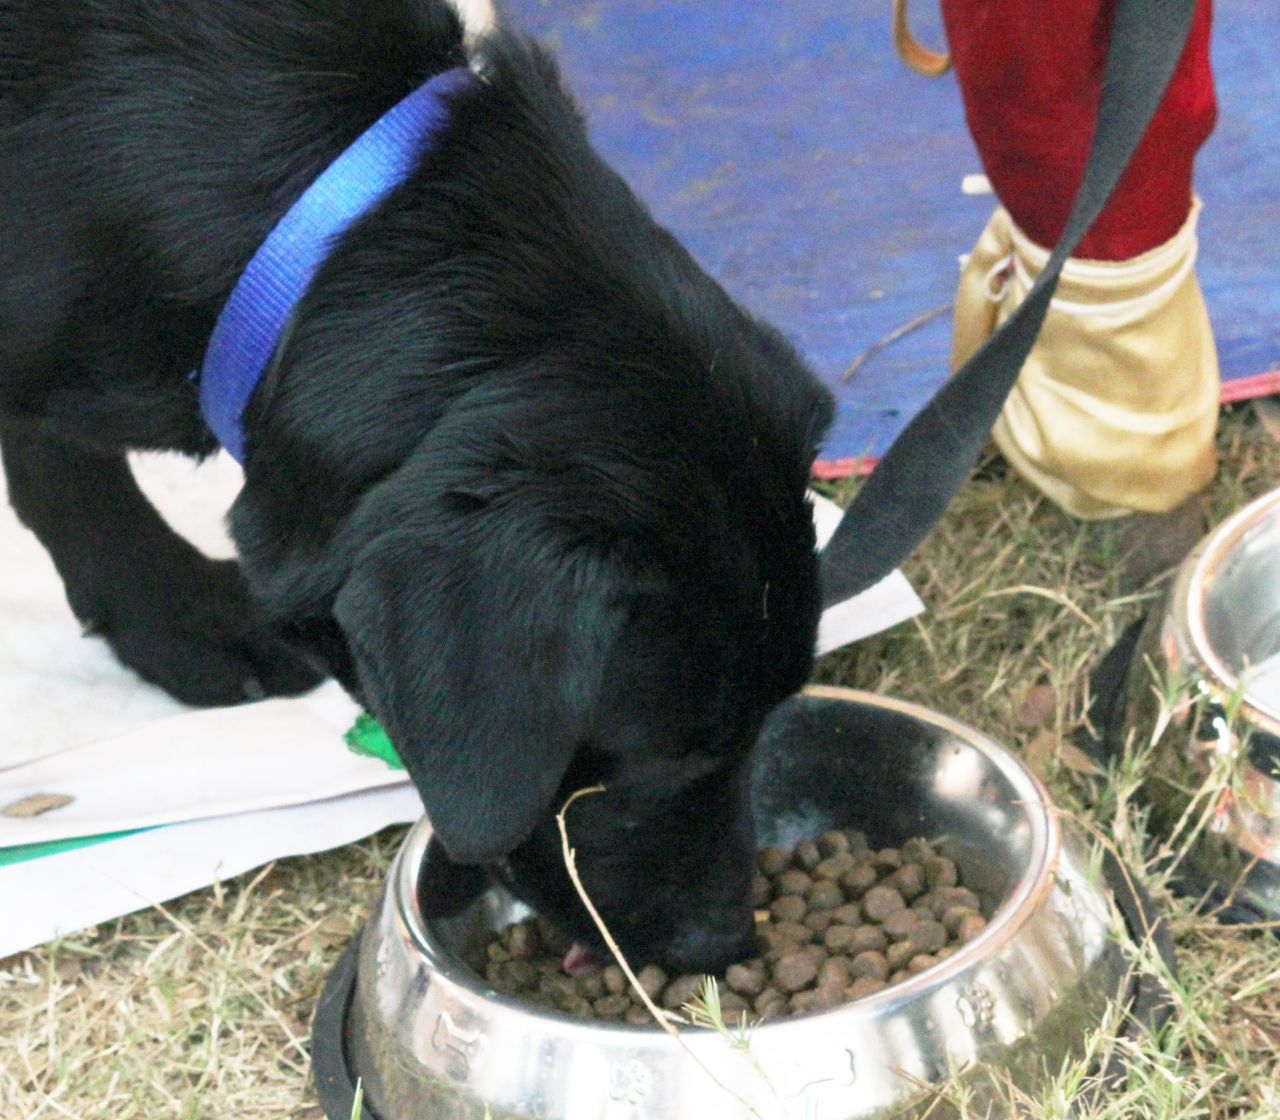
463	502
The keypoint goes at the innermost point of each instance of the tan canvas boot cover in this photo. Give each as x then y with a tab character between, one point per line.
1116	407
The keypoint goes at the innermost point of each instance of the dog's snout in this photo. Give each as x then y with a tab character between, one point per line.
713	943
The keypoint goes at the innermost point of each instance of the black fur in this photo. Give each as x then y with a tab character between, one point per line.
522	476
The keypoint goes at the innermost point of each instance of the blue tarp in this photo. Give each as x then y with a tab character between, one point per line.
819	180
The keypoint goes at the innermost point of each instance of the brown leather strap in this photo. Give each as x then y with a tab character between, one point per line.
914	53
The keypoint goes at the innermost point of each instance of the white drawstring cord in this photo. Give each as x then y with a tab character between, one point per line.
1180	250
996	282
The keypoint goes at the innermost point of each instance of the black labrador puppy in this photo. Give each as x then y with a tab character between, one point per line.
519	474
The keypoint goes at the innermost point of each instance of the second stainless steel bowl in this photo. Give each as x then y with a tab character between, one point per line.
1204	684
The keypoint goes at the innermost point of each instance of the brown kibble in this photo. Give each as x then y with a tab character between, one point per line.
946	951
898	954
557	987
816	953
771	944
788	908
920	962
928	937
833	843
680	991
898	977
794	971
554	986
864	986
652	979
770	1002
773	861
973	925
732	1005
840	939
899	926
917	850
931	904
825	895
807	855
577	1005
612	1006
869	963
868	937
954	916
834	973
908	880
850	914
818	920
835	866
948	898
825	997
590	985
745	980
888	859
794	932
524	943
858	880
959	896
802	1002
879	902
761	891
792	881
615	980
940	872
638	1016
520	976
498	951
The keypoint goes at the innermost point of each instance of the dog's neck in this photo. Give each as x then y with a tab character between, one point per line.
256	316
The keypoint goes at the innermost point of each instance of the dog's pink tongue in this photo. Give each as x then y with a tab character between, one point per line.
579	960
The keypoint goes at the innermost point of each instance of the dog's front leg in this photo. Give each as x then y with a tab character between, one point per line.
179	619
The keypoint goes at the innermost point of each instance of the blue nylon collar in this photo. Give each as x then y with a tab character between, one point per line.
254	317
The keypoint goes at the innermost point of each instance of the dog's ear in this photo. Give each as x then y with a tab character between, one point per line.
479	647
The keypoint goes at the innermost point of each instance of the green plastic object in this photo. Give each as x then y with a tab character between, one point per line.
368	738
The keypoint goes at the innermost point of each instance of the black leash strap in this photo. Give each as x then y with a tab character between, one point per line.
920	473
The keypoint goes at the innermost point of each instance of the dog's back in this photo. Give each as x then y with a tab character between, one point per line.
145	151
523	475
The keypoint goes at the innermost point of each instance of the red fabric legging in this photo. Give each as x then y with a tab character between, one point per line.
1030	73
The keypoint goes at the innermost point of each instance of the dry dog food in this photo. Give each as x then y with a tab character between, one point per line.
835	921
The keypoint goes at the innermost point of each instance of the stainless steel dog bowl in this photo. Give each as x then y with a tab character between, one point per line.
1205	682
430	1041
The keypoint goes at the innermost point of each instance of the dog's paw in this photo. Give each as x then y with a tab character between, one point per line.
194	632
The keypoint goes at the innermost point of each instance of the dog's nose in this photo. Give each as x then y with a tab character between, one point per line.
712	945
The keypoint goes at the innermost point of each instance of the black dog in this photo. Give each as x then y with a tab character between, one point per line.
521	475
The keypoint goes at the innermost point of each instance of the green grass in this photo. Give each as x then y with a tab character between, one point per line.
202	1009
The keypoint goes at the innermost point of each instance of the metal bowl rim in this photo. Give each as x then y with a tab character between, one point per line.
1010	917
1188	604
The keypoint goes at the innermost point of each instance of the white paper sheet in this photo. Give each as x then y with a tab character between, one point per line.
884	604
201	764
60	894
